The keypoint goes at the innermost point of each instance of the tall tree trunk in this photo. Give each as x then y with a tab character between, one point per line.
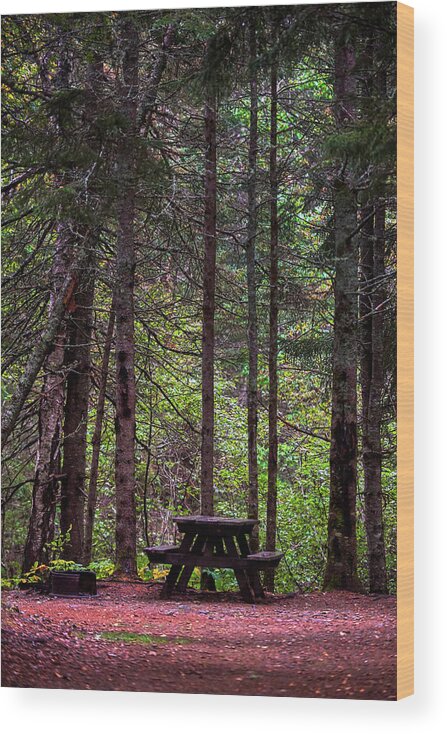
371	312
341	566
365	305
96	441
209	285
78	350
77	358
47	471
252	391
125	532
372	298
269	577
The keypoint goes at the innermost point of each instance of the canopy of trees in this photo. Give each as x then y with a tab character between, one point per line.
199	252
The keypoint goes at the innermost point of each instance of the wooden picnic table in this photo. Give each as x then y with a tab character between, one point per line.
214	542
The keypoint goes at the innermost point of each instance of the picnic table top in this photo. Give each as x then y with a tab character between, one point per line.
214	521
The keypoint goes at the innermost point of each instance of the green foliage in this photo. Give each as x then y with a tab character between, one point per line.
363	144
141	638
38	574
55	547
103	568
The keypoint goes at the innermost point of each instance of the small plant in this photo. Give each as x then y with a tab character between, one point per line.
103	568
55	547
36	576
143	570
39	572
59	564
159	574
10	583
223	578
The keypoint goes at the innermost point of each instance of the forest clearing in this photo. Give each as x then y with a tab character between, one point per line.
199	349
336	644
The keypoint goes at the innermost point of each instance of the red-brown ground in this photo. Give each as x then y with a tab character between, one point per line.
331	645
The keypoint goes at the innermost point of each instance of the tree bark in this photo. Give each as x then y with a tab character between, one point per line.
77	354
96	442
372	298
63	283
341	566
269	578
252	388
371	369
77	358
47	471
209	285
125	531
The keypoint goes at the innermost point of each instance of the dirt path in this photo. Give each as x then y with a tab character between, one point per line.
336	645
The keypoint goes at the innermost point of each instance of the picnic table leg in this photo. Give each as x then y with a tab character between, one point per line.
255	581
169	584
176	568
188	568
241	577
253	575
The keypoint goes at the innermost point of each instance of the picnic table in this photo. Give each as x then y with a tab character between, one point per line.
214	542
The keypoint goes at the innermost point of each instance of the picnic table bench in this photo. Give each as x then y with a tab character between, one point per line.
214	542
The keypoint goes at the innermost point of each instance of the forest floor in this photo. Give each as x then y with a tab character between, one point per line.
328	645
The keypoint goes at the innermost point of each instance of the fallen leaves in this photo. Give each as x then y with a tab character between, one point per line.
329	645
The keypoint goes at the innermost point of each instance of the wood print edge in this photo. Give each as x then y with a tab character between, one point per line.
405	352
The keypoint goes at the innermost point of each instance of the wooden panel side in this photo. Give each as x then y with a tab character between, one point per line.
405	352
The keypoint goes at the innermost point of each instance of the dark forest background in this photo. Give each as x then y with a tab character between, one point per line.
199	261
